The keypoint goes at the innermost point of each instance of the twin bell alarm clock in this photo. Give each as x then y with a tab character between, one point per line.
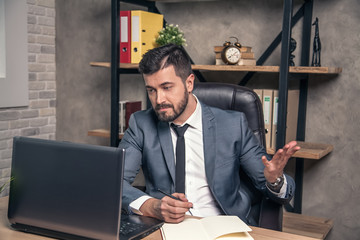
231	53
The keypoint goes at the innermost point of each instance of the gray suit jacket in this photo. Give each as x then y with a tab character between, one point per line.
228	146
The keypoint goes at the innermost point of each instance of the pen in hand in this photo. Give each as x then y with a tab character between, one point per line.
171	196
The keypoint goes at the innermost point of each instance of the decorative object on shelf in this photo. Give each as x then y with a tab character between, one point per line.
246	54
171	34
317	46
292	49
231	53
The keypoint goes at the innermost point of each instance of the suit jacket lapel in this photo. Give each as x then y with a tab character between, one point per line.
167	149
209	139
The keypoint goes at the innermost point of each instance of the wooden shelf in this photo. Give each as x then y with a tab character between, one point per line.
102	133
102	64
299	224
310	150
273	69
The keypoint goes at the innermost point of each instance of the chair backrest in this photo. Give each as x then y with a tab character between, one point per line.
234	97
227	96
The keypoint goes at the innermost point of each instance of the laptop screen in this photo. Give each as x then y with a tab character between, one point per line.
66	187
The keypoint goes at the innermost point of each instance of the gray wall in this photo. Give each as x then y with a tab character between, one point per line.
332	184
83	36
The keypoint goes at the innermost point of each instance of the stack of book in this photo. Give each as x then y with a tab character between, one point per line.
247	56
138	32
126	108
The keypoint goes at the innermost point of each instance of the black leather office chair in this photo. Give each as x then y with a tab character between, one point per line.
267	213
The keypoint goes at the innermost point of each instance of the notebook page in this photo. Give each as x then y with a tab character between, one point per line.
217	226
236	236
189	229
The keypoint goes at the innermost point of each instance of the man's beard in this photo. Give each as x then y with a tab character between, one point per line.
165	116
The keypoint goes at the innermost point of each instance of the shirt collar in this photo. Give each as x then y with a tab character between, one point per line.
195	118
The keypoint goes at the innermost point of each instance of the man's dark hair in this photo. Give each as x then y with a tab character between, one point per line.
165	56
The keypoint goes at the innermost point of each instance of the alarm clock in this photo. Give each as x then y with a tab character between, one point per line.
231	52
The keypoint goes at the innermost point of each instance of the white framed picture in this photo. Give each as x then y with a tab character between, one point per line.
13	54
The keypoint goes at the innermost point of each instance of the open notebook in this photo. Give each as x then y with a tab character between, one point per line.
208	228
70	191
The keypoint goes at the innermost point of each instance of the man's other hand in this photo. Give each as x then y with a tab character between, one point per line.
168	209
275	167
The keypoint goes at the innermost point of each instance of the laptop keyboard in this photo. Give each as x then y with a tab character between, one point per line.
129	227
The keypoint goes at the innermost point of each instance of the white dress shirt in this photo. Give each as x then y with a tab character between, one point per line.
197	189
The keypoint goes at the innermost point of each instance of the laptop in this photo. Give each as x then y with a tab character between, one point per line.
71	191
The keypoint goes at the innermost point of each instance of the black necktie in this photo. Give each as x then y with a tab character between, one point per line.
180	158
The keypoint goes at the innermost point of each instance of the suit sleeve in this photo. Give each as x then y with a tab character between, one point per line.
250	161
132	142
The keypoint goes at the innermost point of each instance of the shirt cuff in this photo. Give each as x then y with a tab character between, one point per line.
136	205
282	193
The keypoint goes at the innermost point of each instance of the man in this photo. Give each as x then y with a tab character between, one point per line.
217	144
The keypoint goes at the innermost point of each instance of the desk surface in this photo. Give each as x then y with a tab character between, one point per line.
7	233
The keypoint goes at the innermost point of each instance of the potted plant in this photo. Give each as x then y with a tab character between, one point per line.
171	34
5	184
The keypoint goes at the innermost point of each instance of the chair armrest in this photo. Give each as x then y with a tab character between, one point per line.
271	215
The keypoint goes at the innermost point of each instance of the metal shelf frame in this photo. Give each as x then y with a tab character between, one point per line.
306	11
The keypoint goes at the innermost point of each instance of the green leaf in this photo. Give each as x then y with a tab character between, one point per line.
170	34
5	184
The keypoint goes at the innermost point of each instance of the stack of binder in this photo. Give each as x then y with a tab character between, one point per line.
270	101
138	32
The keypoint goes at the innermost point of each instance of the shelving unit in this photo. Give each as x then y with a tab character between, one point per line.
309	150
314	151
231	68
